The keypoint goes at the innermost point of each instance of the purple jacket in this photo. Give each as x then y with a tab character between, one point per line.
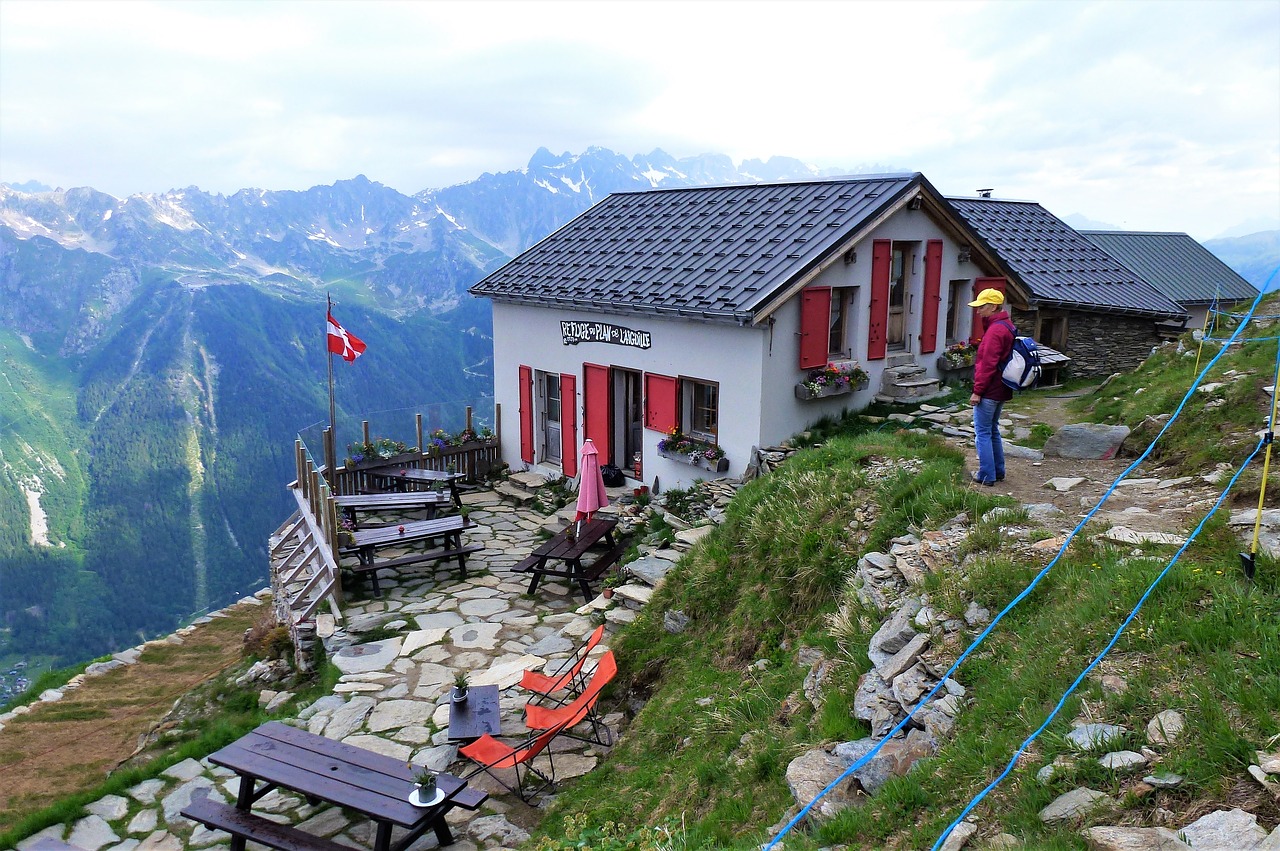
996	344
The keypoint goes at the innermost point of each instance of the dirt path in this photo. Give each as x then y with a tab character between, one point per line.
1153	509
71	745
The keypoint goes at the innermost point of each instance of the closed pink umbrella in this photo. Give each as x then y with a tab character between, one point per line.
591	493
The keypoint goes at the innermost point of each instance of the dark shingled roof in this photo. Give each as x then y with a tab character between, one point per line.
1175	264
716	252
1056	264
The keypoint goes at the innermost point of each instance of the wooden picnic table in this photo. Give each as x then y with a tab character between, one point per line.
400	478
366	542
276	755
430	501
562	556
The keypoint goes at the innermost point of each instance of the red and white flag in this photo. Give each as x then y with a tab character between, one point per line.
343	342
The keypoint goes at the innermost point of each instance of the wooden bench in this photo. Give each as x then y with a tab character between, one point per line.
431	501
245	825
460	553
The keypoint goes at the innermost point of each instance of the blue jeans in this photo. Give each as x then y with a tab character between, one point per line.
986	416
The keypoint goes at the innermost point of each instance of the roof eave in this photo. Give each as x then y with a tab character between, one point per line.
739	317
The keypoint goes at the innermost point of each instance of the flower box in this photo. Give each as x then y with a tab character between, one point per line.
697	459
805	391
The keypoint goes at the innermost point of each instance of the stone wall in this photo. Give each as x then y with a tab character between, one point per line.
1100	344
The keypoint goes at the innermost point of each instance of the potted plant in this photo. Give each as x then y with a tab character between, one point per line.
612	581
346	533
834	379
460	687
424	782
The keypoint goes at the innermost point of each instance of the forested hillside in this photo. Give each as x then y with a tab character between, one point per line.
162	352
184	425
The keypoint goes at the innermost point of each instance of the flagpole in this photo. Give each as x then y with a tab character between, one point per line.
333	426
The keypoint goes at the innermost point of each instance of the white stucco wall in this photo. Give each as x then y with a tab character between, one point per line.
727	354
787	416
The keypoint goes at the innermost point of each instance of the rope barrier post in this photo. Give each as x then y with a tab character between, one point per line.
1249	560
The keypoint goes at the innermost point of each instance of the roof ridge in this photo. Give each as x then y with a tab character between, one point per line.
853	178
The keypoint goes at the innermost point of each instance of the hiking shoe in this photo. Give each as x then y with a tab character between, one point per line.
979	481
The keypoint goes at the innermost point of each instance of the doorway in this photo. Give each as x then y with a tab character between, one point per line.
626	446
899	279
549	414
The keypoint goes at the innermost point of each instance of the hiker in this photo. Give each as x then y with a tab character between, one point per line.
989	392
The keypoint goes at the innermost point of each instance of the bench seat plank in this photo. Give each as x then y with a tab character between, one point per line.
226	818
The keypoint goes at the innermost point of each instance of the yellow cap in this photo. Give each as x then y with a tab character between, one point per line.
988	296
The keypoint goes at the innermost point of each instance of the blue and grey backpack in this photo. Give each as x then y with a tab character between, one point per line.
1021	369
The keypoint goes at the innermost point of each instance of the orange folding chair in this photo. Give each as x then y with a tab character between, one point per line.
492	755
582	708
568	677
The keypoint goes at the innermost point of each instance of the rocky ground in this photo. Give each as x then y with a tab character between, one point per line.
393	693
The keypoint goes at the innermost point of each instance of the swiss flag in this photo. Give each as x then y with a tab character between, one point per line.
343	342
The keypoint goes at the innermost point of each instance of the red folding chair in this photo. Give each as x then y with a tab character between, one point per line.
582	708
568	677
492	755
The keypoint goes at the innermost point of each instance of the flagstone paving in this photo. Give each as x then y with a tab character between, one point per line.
393	696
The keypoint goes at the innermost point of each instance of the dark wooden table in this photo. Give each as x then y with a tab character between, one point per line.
399	478
431	501
479	714
369	541
366	543
279	756
562	556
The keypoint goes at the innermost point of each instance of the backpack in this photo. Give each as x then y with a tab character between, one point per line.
1021	369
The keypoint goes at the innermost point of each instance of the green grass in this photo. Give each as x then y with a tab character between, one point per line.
236	711
725	714
1141	399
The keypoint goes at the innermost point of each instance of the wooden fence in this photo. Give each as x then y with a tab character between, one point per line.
476	459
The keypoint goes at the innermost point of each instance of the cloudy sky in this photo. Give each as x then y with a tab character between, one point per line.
1144	115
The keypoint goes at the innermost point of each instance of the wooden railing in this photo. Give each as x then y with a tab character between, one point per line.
475	459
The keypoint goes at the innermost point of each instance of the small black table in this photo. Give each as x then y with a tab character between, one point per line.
480	713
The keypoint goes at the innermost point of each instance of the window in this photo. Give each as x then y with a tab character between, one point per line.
699	408
955	302
836	347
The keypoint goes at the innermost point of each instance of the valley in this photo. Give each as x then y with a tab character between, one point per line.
159	354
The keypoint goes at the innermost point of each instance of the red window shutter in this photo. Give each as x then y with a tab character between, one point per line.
526	414
595	404
815	326
569	424
980	284
878	323
932	296
659	402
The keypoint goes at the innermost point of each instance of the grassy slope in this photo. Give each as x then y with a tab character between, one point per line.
1206	642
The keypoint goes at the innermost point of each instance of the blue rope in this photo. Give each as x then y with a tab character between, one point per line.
1228	341
977	799
1026	591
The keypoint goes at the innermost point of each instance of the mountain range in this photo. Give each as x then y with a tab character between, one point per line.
161	352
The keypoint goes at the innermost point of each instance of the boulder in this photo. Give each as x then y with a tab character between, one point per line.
811	772
1077	803
1165	727
1134	839
1224	830
1086	440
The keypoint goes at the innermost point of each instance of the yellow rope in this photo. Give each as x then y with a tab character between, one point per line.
1266	464
1205	331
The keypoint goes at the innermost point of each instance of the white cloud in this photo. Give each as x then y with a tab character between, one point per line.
1152	114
